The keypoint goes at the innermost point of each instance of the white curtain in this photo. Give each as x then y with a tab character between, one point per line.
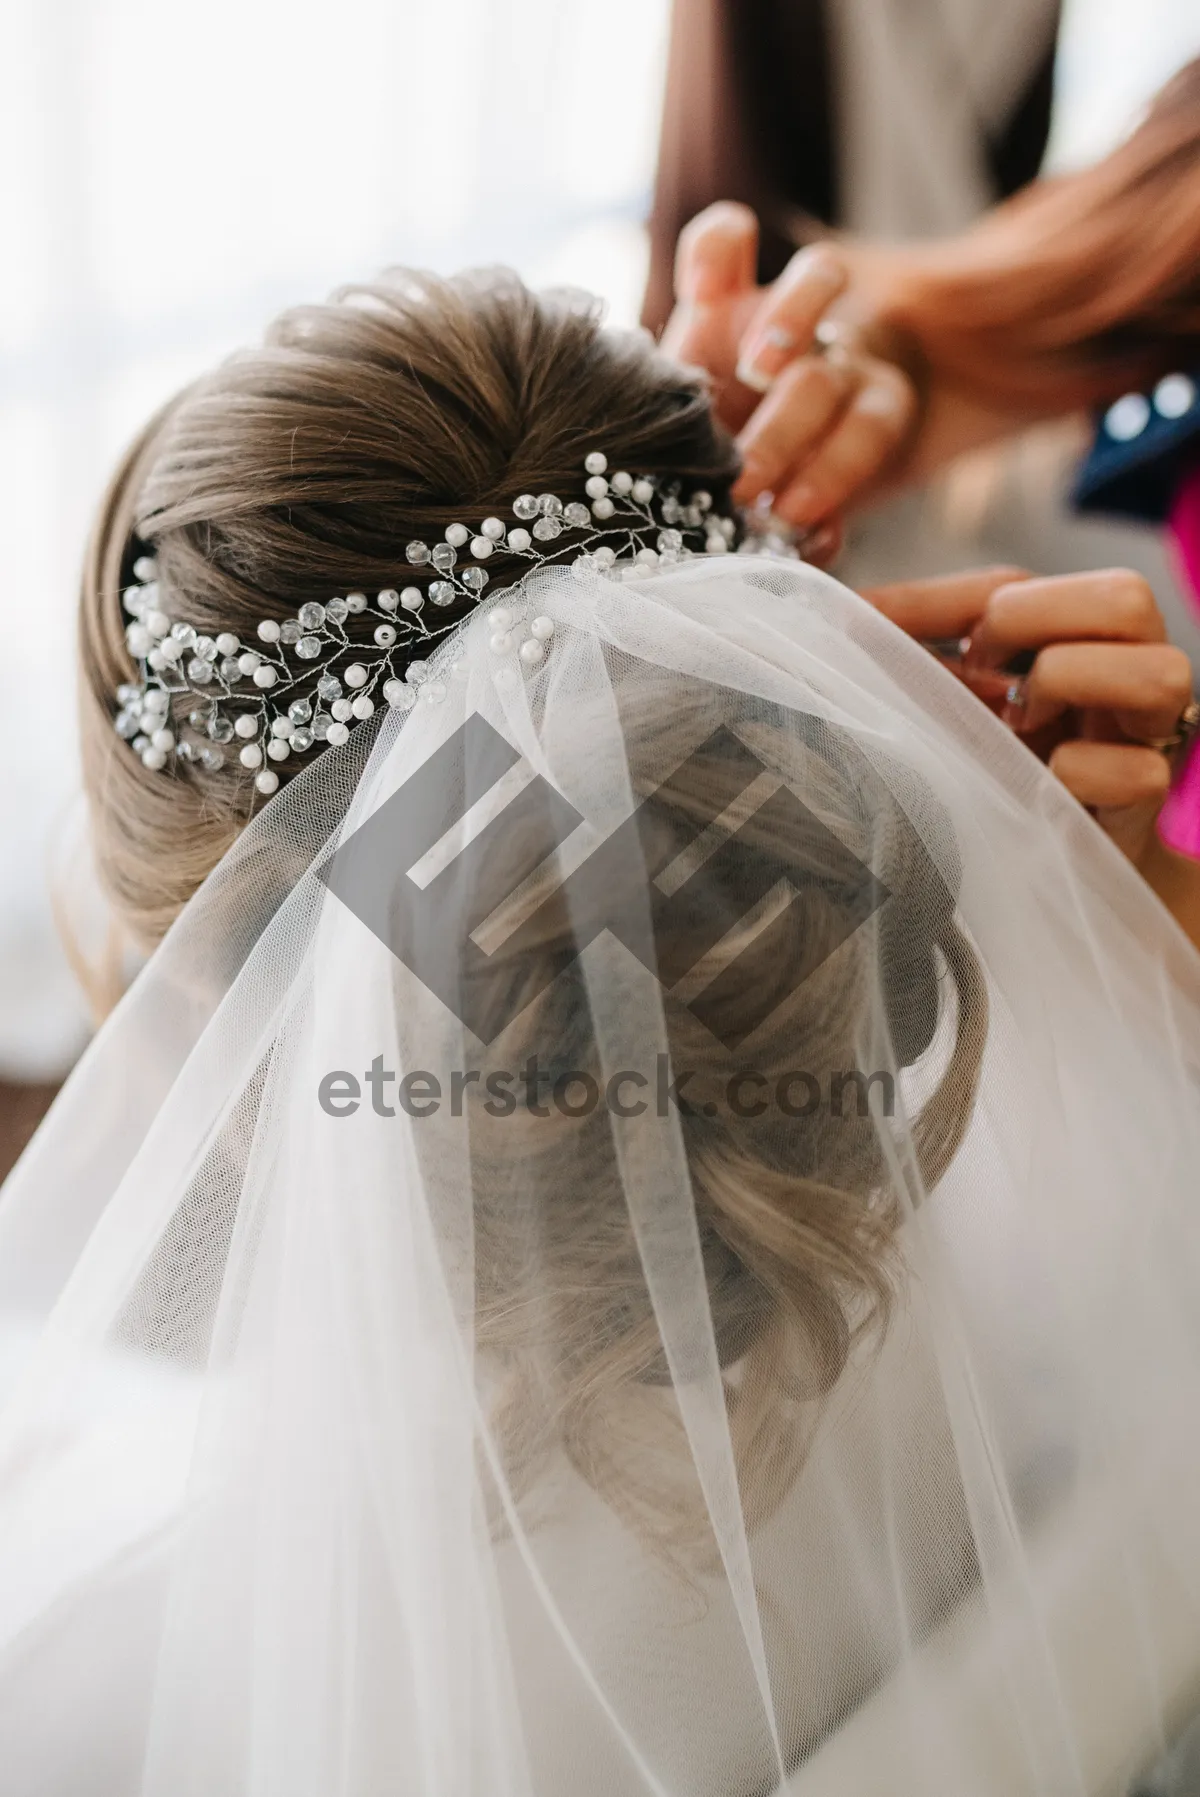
172	173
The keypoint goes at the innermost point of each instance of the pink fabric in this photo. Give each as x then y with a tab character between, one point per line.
1185	530
1179	820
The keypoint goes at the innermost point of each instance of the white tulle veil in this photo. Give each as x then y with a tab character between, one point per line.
381	1418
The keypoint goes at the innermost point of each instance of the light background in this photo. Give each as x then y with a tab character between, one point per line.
173	173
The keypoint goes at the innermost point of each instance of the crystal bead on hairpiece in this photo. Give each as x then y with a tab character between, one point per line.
276	700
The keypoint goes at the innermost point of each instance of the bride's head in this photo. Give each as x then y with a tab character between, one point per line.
300	470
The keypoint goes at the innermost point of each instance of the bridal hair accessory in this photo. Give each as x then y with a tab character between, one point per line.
277	697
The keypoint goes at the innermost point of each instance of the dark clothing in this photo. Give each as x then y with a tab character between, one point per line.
1134	473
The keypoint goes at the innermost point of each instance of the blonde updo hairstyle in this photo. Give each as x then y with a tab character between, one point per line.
299	470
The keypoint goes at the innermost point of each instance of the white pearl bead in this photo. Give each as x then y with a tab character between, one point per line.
145	569
388	600
596	487
542	629
227	643
356	674
622	483
531	652
156	660
481	548
157	623
156	700
396	692
342	710
412	598
138	640
268	631
492	528
248	661
163	739
246	725
154	759
456	535
282	727
648	557
356	602
251	756
265	677
519	540
267	782
500	617
602	509
171	649
595	462
385	635
277	749
643	491
501	643
338	734
363	706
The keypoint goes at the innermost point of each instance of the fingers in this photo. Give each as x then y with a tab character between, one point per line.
1112	776
824	431
785	324
1112	605
947	605
1144	685
823	545
717	254
1122	785
796	414
864	440
699	337
1103	677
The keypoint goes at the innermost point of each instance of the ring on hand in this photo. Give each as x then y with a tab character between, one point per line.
1185	730
836	339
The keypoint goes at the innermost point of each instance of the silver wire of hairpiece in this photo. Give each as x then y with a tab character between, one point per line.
293	707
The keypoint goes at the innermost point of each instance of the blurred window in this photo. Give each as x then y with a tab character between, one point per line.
173	174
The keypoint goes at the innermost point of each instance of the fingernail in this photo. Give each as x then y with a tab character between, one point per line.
729	215
821	542
751	480
731	222
752	488
878	402
803	503
767	355
752	375
817	265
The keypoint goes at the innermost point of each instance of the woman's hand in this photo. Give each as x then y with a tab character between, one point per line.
1080	667
818	419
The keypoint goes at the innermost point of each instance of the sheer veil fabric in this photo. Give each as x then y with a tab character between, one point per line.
791	1384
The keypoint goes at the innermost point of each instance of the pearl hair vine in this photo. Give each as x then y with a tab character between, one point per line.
278	697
